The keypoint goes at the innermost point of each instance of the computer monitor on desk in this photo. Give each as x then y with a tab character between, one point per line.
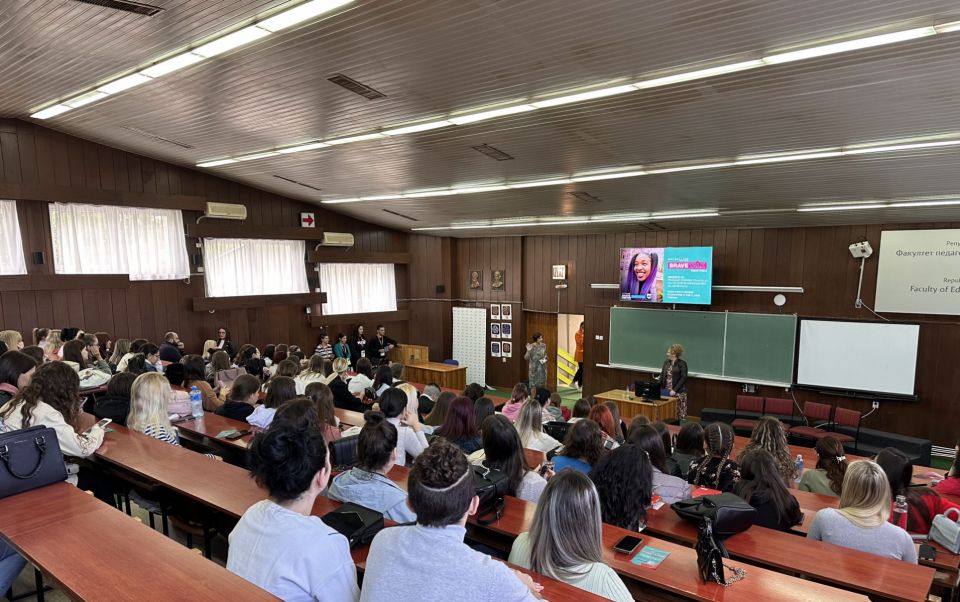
646	390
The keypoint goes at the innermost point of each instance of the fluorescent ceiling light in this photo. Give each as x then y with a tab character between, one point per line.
925	204
601	93
172	64
216	163
849	45
473	189
898	147
541	183
846	207
339	201
685	215
781	158
49	112
301	13
302	147
350	139
382	197
85	99
230	41
571	221
256	156
473	118
660	170
420	127
608	176
948	27
427	193
698	74
124	83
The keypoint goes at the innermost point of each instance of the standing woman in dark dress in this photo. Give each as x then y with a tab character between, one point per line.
358	346
673	377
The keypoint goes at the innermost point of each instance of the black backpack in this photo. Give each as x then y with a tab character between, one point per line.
491	486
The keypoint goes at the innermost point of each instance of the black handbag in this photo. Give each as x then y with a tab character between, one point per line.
728	513
357	523
710	555
31	458
343	453
491	486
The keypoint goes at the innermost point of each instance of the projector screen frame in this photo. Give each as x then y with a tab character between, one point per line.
855	393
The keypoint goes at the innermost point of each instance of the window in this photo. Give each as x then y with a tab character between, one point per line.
237	267
146	243
11	245
354	288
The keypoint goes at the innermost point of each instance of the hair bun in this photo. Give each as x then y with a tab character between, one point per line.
373	418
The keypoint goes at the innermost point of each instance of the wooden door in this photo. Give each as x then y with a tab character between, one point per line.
545	324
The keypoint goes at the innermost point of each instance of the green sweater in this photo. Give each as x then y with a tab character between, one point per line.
815	480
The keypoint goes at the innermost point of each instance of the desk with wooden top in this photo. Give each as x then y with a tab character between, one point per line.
95	552
446	375
630	406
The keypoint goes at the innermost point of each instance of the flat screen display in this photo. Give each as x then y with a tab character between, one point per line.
666	274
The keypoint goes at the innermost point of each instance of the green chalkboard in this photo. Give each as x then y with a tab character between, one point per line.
723	345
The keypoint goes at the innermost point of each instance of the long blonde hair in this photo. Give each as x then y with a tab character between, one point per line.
529	421
566	532
865	499
149	402
413	398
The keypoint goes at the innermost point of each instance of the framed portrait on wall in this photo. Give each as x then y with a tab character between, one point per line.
494	330
476	280
506	349
498	280
506	311
495	312
495	349
506	330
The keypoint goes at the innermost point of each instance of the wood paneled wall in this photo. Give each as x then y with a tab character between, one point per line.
33	155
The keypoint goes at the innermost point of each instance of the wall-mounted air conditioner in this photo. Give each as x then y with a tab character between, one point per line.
226	211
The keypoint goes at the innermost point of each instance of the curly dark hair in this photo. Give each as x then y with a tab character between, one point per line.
624	481
284	459
440	485
54	383
584	441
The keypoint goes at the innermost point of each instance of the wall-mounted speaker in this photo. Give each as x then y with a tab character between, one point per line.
38	258
441	289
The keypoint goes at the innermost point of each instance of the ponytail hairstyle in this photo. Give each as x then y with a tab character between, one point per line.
831	459
519	393
376	441
719	438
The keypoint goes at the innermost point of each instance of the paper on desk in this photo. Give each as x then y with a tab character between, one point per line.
650	557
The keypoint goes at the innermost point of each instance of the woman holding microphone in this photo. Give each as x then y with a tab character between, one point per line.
673	377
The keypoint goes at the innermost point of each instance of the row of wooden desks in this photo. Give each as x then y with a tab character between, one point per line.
95	552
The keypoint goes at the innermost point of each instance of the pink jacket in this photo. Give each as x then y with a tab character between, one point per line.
512	409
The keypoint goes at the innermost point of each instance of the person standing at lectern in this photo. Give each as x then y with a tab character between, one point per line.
673	377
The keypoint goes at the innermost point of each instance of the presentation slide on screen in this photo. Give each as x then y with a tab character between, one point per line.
919	272
666	274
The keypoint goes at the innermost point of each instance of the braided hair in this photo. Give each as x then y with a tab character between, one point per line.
719	437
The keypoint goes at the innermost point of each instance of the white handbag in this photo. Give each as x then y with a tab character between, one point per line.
945	530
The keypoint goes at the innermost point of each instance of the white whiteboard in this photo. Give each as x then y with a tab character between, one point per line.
470	342
858	356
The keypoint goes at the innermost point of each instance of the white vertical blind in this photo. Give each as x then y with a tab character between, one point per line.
11	244
146	243
358	287
237	267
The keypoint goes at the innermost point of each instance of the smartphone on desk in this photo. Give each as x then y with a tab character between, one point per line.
237	434
102	424
628	544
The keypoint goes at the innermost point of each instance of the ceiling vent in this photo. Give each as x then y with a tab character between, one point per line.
137	8
492	152
412	219
356	87
147	134
585	197
296	182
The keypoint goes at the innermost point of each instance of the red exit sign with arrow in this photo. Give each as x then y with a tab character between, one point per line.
307	220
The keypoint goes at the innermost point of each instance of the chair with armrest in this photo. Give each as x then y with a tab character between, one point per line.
844	417
747	410
813	414
779	408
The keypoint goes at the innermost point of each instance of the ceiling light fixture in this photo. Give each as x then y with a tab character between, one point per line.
256	156
302	147
785	157
465	117
79	101
570	221
350	139
224	41
217	162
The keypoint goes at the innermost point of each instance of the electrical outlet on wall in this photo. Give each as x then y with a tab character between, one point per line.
598	337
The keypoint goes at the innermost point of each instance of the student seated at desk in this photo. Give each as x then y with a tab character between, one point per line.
827	477
242	397
460	427
52	399
440	408
716	470
624	482
342	397
518	396
410	438
529	424
179	397
861	520
581	410
16	370
688	447
566	539
769	435
313	373
429	560
195	376
149	408
582	448
363	379
115	405
482	409
322	397
279	390
950	485
761	485
502	451
601	415
673	468
670	488
383	380
277	544
923	503
367	483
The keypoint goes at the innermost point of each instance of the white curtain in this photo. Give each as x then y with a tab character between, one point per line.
237	267
11	245
353	288
146	243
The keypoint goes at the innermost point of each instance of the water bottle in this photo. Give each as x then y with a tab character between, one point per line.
900	511
196	402
799	469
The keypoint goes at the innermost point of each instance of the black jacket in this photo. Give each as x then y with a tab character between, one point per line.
237	410
114	408
227	346
343	398
679	375
375	347
358	349
170	352
767	515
